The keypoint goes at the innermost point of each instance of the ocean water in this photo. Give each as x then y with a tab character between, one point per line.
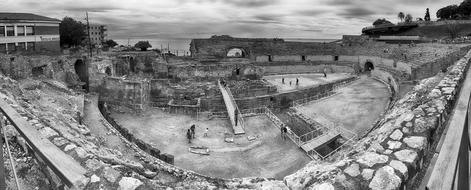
182	45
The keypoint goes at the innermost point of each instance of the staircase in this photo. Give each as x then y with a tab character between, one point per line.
231	107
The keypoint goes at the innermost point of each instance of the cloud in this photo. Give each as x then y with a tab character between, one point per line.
355	12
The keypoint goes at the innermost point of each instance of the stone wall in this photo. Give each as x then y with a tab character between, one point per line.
392	155
134	94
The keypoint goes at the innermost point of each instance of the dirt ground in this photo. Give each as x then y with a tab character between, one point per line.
267	156
305	80
357	106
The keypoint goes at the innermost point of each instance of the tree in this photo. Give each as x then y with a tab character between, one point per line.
408	18
465	8
110	43
143	45
401	16
447	12
71	32
381	21
427	15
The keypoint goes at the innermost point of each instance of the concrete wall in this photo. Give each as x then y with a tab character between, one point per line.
319	58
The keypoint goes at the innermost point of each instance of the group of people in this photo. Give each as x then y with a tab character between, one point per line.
190	133
283	81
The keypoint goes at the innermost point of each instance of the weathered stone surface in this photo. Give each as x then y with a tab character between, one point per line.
417	142
401	167
396	135
385	179
59	141
376	147
81	153
406	155
393	145
387	152
94	179
371	158
111	174
129	183
48	132
406	130
367	174
409	124
93	164
353	170
69	147
323	186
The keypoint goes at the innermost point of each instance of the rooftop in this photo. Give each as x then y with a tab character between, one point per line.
25	16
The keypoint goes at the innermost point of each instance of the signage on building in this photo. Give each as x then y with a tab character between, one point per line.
49	38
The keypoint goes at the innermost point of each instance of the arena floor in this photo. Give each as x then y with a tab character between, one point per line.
267	156
305	80
356	106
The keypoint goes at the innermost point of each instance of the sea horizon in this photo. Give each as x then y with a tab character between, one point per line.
182	45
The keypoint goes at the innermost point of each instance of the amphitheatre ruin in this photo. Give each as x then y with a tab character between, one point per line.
358	114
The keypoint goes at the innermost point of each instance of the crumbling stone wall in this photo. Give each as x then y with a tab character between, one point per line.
118	91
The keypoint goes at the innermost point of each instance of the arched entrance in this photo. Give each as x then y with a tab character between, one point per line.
108	71
82	72
369	66
236	52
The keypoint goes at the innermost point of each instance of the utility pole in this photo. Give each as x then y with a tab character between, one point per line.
89	39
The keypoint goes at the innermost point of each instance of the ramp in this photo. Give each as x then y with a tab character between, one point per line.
320	141
231	107
63	165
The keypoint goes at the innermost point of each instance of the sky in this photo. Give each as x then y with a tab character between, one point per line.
165	19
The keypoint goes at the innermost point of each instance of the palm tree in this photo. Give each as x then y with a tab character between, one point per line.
408	18
401	16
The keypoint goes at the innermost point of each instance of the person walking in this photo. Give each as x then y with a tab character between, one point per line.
283	80
188	135
235	116
206	132
282	132
297	82
192	128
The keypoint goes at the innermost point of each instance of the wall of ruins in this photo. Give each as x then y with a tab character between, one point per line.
285	99
119	91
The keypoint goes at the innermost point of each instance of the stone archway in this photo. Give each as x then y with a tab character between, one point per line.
369	66
236	53
82	72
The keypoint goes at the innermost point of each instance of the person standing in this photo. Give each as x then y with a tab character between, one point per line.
235	116
192	128
188	135
283	80
285	131
282	132
206	132
297	81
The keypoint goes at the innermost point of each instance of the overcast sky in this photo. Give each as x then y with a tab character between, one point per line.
242	18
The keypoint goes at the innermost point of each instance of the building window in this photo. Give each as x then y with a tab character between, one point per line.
31	46
11	47
3	48
21	46
29	30
10	31
20	30
2	31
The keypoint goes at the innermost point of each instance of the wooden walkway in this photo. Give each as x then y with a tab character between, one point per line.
320	141
64	166
231	109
